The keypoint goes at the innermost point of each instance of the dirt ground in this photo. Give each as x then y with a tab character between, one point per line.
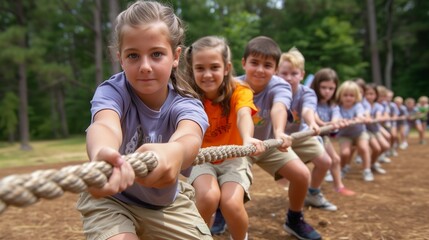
394	206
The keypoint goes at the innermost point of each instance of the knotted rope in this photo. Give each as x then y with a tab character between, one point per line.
26	189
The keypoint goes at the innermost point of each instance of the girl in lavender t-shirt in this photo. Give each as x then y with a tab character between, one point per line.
349	100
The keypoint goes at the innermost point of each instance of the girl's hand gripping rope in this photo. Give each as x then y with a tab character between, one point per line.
122	174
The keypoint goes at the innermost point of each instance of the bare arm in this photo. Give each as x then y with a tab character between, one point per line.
103	139
279	119
309	118
246	127
319	121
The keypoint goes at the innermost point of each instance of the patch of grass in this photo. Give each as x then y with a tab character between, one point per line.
52	151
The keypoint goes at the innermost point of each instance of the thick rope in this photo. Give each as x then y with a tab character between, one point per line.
26	189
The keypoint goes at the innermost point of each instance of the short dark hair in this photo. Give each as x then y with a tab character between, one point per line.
263	46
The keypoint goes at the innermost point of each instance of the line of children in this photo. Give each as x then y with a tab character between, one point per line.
273	98
378	144
390	128
416	123
401	124
325	85
151	107
229	106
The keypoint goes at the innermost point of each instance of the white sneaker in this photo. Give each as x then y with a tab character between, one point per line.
319	201
245	237
383	159
367	175
376	167
358	159
328	177
394	152
403	145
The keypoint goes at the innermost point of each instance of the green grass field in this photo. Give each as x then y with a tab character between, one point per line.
52	151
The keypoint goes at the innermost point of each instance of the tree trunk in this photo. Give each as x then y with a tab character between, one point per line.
54	115
24	126
61	111
113	12
98	41
372	26
389	47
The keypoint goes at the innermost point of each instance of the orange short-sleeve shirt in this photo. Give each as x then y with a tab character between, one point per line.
223	130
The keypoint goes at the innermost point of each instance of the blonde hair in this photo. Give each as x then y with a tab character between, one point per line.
295	57
348	86
423	99
398	99
382	91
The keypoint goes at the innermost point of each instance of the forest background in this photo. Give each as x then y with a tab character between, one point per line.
54	53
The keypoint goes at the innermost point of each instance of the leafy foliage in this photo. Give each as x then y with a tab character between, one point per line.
60	48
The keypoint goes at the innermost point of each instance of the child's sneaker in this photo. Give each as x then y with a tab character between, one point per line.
345	170
376	167
219	224
301	230
245	237
383	159
358	159
403	145
328	177
319	201
394	153
367	175
345	191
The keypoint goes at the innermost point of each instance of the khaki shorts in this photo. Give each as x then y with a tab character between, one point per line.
362	136
376	135
272	160
106	217
325	140
308	149
232	170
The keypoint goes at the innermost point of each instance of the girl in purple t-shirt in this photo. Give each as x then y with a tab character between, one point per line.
145	108
349	100
328	113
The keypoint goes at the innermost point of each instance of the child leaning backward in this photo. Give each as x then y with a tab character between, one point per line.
303	108
146	108
229	106
273	97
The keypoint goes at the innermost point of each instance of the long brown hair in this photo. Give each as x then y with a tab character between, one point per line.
228	84
323	75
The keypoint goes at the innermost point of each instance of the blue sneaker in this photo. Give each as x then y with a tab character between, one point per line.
219	224
302	230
